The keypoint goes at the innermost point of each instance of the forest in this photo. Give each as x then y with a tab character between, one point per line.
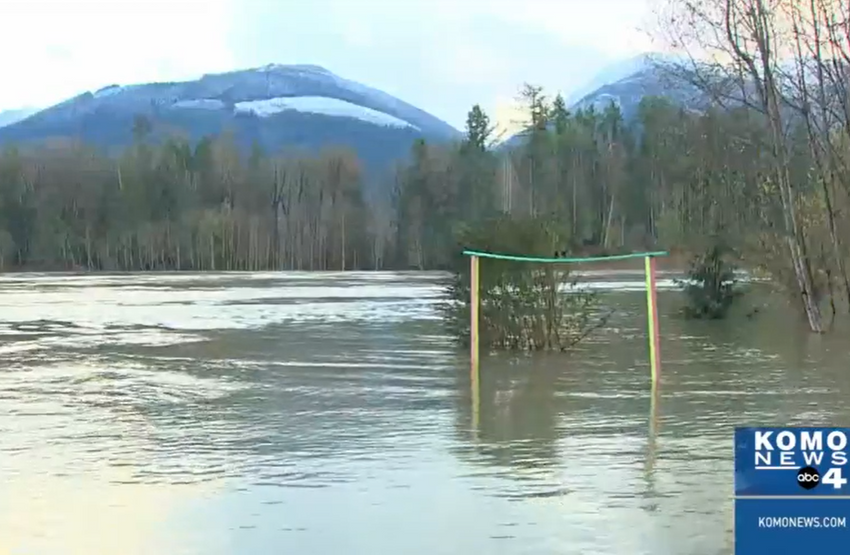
765	169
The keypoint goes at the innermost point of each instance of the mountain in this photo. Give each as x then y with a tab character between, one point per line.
8	117
668	77
275	106
626	83
611	74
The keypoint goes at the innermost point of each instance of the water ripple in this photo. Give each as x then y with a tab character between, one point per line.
328	413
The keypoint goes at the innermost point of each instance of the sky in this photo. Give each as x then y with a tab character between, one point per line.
440	55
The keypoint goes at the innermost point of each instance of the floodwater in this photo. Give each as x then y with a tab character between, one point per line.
326	413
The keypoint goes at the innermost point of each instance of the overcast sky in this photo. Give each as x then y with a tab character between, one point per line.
440	55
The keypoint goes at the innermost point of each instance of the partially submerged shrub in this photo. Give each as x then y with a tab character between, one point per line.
524	306
711	288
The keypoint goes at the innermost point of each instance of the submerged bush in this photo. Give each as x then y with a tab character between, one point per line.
524	306
711	288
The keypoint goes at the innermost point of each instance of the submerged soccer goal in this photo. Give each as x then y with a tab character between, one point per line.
649	259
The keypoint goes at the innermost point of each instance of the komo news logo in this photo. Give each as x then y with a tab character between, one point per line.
803	450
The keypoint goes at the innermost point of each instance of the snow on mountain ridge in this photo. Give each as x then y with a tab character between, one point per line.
320	105
630	68
108	91
610	74
625	84
265	83
303	67
200	104
273	107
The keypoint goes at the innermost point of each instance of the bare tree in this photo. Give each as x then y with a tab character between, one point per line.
739	43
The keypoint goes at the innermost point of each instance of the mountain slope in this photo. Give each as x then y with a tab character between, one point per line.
626	83
275	106
8	117
649	76
673	78
611	74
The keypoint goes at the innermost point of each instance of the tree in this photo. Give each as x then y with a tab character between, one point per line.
560	114
746	36
522	306
478	129
711	287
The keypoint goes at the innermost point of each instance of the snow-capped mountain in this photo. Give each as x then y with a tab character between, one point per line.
8	117
275	106
626	83
668	77
613	73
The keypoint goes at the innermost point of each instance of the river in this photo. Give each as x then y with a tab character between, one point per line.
327	413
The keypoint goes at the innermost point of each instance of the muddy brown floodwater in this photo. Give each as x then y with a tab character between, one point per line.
263	414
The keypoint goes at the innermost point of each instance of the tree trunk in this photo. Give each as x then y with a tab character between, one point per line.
343	240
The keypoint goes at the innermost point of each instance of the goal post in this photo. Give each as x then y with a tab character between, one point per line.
653	332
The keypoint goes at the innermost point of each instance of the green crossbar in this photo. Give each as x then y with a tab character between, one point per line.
516	258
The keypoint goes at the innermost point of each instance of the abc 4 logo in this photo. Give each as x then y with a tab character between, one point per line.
808	477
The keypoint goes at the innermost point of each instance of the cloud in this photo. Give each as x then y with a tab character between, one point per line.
440	55
56	49
611	26
443	55
507	116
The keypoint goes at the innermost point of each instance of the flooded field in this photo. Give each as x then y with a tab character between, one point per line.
278	413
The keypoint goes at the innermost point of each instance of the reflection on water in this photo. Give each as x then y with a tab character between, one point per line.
326	413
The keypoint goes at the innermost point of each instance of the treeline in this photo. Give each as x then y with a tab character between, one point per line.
177	206
174	206
767	173
669	178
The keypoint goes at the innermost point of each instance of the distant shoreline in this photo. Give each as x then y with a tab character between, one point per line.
676	262
672	263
